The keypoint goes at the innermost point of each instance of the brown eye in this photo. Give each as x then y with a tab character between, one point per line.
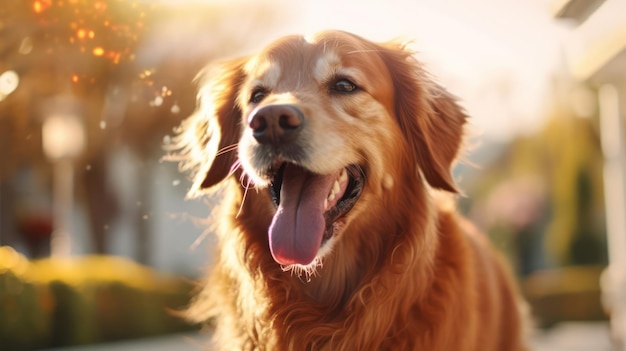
258	95
343	86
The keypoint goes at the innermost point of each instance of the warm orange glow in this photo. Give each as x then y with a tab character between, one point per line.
91	34
81	33
114	56
146	73
40	6
98	51
74	78
37	7
100	6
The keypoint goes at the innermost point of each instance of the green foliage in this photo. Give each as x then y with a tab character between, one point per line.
566	161
59	302
575	178
25	320
73	318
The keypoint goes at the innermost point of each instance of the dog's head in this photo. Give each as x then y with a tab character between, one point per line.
319	124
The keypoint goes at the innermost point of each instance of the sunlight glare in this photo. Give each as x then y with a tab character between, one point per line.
9	81
175	109
37	7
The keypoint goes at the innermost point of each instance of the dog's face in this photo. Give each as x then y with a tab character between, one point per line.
325	125
310	109
303	100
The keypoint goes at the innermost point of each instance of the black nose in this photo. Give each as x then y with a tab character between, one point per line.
276	124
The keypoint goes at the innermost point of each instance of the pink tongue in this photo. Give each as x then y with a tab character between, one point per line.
298	226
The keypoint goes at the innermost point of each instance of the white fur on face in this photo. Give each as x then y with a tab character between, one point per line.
325	65
267	72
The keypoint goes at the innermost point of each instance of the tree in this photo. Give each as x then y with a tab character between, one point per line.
131	66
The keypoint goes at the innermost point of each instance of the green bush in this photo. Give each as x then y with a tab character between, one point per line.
81	300
25	319
73	318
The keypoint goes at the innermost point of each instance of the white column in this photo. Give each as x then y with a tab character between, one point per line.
62	207
614	150
63	139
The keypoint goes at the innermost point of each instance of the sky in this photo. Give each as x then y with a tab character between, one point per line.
498	56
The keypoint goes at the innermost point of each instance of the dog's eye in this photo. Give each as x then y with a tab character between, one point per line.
258	95
343	86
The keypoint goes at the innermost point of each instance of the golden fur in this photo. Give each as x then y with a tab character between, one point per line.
403	271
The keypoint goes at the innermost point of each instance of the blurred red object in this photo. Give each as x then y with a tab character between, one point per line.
36	231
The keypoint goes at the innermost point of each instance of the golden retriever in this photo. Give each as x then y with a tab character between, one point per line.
336	229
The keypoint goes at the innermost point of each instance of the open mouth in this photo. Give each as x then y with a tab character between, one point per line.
310	208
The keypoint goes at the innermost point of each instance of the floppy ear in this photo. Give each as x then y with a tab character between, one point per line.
428	115
208	139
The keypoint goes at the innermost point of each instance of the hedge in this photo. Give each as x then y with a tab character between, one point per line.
86	299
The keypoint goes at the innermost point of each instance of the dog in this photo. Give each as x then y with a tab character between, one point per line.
337	228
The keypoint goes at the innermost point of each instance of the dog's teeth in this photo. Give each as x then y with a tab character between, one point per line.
343	176
333	191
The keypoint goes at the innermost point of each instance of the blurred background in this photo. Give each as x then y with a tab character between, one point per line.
97	240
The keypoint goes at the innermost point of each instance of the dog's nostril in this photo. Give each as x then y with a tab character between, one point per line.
258	124
289	121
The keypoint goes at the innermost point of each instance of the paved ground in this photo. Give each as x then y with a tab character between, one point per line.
574	337
564	337
178	342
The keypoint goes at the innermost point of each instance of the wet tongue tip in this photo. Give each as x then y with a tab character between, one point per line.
287	259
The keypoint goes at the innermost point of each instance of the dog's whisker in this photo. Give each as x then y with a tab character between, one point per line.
205	233
249	183
236	165
226	149
245	193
